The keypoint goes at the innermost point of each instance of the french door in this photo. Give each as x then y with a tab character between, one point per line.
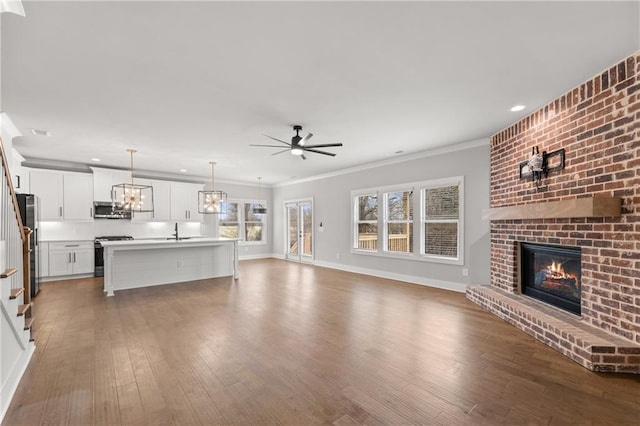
299	230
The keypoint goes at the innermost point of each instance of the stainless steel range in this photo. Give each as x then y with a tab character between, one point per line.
99	251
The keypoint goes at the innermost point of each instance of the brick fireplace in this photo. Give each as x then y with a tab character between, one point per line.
598	125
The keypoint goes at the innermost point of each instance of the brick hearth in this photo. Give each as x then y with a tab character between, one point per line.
598	125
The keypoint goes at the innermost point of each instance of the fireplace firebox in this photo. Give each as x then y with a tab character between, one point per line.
551	274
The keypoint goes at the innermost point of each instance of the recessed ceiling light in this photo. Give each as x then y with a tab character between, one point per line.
40	132
183	170
517	108
96	159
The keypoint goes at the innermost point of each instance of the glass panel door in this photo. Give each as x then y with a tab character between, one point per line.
299	230
293	250
307	228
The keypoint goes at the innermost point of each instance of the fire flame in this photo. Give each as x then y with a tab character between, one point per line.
556	271
557	268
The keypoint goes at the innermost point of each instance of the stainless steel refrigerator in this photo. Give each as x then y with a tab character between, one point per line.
29	206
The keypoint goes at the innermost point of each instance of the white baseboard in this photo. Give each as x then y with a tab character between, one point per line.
11	384
428	282
255	256
66	277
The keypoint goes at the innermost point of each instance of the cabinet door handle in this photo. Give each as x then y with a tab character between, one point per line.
72	245
74	257
69	257
90	211
60	209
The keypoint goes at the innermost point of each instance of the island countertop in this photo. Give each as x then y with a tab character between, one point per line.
169	242
143	263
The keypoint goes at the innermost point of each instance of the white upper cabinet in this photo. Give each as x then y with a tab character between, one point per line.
184	201
48	185
161	201
63	195
104	179
70	195
78	196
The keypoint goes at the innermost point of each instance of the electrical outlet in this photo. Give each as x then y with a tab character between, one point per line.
465	272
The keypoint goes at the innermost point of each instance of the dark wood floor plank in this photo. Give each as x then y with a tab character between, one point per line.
296	344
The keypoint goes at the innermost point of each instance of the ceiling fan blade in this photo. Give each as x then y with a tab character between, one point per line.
280	152
319	152
278	140
303	157
305	139
324	145
270	146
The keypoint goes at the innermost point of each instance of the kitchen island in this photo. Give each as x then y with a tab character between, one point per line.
144	263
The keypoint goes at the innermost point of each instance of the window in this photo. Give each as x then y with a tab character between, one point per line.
366	213
435	237
398	222
252	223
228	225
441	221
237	220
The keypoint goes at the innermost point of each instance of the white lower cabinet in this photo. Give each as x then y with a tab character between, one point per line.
44	259
70	258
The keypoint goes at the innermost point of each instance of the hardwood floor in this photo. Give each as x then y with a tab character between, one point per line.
295	344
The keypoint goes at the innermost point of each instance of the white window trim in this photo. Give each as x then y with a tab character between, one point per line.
355	219
418	212
242	222
386	222
439	183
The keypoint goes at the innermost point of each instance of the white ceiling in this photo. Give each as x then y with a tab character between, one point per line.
189	82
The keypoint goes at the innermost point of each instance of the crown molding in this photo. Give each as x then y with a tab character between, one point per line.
395	160
67	166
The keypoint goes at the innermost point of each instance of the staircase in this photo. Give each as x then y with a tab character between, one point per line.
16	311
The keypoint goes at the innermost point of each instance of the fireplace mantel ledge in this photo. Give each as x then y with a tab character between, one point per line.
577	207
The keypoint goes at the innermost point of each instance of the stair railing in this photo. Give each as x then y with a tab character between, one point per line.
13	233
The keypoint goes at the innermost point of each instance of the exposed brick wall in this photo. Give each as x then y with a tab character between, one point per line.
598	125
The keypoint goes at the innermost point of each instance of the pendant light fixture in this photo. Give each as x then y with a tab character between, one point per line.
209	202
130	197
258	208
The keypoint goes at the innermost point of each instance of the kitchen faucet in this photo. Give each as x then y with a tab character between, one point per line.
175	234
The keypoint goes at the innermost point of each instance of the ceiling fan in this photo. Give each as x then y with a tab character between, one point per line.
298	145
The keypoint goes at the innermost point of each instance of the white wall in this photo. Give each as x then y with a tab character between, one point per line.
332	207
14	354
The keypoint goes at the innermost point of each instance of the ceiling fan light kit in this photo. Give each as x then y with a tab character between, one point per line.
131	197
298	145
210	202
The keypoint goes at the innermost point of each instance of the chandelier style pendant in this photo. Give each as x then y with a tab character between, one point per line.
258	208
210	202
130	197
